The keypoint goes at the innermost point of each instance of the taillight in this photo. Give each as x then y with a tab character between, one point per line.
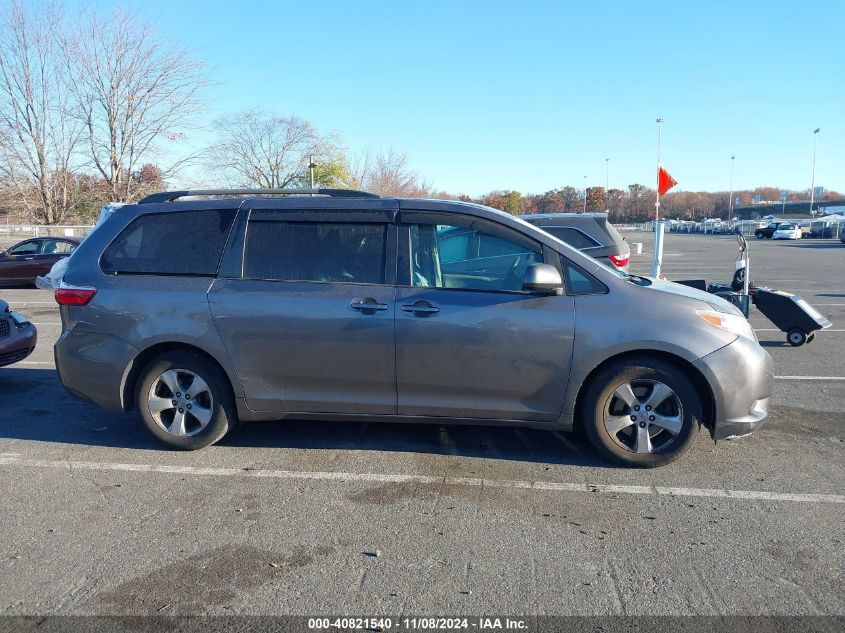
70	296
619	262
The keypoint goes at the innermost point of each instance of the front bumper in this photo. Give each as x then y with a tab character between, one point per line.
18	343
741	378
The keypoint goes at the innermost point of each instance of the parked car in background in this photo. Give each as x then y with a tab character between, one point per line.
590	233
767	231
806	228
344	305
23	262
17	336
787	232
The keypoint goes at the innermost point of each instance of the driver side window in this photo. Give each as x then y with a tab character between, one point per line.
470	258
27	248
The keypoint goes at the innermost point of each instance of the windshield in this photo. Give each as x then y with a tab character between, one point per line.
786	227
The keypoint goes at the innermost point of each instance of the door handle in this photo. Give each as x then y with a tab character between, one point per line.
420	307
368	305
26	259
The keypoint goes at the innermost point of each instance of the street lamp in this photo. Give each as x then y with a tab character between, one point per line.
813	179
731	194
311	166
607	184
585	194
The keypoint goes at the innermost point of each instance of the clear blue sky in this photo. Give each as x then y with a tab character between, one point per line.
532	95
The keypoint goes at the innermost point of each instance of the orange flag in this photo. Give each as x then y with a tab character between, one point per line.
664	181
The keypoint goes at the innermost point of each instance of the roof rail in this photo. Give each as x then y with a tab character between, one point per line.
170	196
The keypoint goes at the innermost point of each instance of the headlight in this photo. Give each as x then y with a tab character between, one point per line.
734	323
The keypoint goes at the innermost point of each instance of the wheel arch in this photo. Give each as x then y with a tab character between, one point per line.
699	382
140	362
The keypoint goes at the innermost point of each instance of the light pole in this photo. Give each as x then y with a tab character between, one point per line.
585	194
731	194
607	184
311	166
813	179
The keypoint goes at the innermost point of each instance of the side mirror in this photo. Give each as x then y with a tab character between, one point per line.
542	278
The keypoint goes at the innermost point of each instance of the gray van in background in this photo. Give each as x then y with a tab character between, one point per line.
202	308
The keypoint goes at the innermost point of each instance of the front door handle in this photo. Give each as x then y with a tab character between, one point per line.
420	307
368	305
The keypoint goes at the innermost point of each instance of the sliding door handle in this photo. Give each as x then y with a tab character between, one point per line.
420	308
368	305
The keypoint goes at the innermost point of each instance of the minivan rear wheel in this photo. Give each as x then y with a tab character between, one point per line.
185	400
641	412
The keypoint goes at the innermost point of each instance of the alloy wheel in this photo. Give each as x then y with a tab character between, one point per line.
643	416
180	402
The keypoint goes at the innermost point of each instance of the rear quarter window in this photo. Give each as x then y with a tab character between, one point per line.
177	243
574	237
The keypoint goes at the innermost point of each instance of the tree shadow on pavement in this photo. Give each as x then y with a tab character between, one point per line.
36	407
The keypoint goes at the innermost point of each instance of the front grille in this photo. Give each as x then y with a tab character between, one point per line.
4	326
14	357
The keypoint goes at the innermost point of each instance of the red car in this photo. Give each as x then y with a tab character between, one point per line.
23	262
17	336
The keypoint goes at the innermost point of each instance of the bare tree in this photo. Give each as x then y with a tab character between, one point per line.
267	150
37	135
388	174
133	91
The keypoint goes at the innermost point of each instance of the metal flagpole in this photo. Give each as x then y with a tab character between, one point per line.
658	226
813	180
659	141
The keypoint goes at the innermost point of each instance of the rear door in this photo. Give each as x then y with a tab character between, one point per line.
470	343
306	312
52	250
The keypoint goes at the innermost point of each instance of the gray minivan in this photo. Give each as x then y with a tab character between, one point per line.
199	309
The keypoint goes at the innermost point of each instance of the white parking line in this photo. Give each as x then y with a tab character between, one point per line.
774	329
341	477
809	377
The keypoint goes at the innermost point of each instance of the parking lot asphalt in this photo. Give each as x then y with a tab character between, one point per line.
317	518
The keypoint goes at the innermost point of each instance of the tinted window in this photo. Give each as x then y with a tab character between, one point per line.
493	246
27	248
454	246
499	266
573	237
178	243
316	251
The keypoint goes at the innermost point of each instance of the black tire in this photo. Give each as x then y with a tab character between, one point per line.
600	396
759	236
217	399
796	337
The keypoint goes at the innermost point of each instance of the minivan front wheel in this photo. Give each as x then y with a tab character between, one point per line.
185	400
641	412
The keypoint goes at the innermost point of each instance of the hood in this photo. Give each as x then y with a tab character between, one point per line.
691	293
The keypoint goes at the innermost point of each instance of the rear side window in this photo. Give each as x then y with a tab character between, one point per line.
316	251
178	243
573	237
